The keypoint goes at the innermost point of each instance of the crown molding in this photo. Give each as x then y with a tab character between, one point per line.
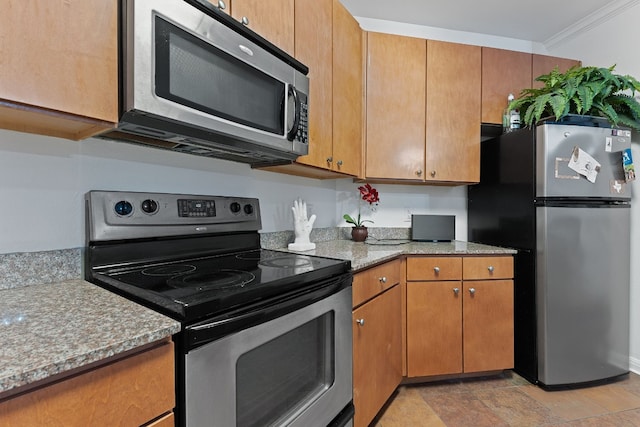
589	22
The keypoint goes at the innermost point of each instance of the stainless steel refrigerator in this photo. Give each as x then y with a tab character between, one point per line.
558	195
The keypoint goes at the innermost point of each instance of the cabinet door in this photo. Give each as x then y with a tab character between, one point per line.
348	87
543	64
453	112
377	365
395	92
434	328
59	57
273	20
488	325
503	72
313	47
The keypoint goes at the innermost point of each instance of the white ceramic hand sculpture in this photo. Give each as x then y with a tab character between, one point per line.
302	227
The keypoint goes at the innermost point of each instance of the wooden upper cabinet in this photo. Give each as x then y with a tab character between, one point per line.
543	64
273	20
395	105
503	72
313	47
453	112
58	67
348	92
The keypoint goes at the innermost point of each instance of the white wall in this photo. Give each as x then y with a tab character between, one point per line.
615	42
43	181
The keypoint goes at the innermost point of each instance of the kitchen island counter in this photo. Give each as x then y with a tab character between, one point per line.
367	254
54	329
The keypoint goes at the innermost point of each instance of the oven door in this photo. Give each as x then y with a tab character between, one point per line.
293	370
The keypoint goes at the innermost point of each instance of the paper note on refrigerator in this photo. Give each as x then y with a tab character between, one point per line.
584	164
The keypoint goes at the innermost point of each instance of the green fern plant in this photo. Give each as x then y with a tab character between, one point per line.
588	91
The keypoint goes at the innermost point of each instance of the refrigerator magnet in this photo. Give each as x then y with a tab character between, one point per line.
627	164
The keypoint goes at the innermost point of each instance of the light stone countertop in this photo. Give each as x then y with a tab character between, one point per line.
371	252
54	328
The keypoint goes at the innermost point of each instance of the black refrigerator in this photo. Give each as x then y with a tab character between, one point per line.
559	195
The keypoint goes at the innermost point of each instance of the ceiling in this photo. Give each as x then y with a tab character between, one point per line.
536	21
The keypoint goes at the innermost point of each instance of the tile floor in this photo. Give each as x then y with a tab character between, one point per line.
509	400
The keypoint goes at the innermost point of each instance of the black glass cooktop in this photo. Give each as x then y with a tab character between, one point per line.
187	289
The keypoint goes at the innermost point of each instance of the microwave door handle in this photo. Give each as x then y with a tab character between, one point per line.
293	93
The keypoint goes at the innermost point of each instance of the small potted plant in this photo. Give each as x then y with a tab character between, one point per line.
359	231
582	91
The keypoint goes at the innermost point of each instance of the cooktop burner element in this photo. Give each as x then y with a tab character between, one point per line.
221	279
168	270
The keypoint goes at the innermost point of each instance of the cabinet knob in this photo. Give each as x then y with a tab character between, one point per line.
245	21
433	174
490	268
419	172
339	163
329	159
383	279
360	322
221	5
436	270
472	291
456	291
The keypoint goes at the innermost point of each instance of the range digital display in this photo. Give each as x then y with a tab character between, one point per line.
196	208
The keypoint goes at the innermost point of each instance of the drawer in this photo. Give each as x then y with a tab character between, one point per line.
434	268
482	268
369	283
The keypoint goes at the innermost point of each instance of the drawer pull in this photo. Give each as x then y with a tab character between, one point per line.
383	279
472	291
436	270
490	269
456	291
360	322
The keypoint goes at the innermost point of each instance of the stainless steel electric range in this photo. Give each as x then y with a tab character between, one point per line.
266	335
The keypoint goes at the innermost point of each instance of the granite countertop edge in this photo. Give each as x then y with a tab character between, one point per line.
367	254
51	329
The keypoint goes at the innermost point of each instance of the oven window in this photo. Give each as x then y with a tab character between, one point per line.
285	375
191	72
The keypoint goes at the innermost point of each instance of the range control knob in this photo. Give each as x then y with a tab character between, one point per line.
235	207
123	208
248	209
149	206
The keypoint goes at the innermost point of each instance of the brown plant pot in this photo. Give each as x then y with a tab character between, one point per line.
359	234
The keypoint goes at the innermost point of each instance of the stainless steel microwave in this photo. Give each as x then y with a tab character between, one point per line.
194	80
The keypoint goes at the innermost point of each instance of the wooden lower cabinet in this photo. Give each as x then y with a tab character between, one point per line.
487	329
459	315
377	352
434	328
133	391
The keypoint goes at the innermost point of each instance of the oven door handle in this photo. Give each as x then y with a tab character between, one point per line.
213	329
